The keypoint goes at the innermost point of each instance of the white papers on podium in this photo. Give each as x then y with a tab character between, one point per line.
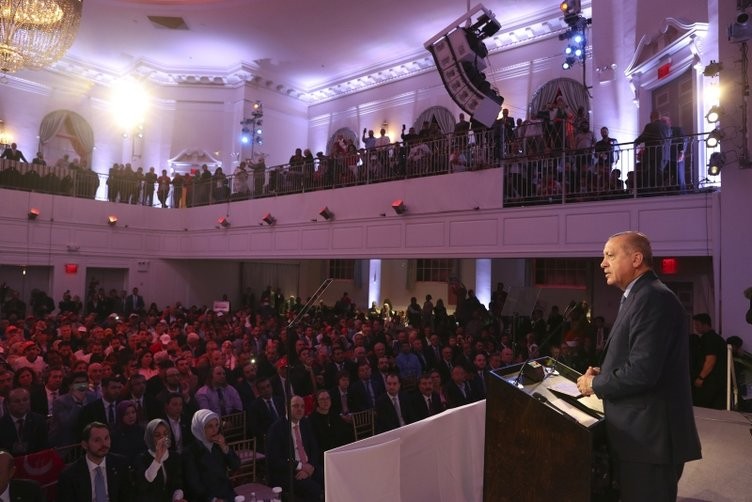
567	387
593	402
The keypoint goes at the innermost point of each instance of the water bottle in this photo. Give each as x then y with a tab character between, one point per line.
253	497
277	497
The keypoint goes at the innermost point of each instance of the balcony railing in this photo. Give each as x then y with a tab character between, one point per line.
534	173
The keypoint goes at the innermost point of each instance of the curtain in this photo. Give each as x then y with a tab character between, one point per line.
360	269
79	127
411	274
574	93
285	276
73	123
443	117
51	125
346	133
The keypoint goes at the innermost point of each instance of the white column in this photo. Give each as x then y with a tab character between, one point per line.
483	280
374	282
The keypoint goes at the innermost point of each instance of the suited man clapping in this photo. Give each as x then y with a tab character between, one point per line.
21	430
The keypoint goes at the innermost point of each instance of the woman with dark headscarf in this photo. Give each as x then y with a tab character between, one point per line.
159	472
127	436
207	460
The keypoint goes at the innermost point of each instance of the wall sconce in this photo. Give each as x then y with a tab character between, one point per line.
5	137
326	213
33	213
399	206
713	69
223	221
112	220
269	219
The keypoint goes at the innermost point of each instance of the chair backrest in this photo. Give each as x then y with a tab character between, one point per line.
70	453
363	424
245	449
233	426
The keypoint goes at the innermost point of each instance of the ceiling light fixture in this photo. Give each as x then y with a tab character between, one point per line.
36	33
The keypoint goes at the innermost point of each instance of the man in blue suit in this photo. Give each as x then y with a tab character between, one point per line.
643	379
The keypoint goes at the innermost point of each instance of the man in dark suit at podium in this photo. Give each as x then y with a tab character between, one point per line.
643	378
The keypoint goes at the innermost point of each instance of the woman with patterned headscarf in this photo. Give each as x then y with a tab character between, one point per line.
207	460
159	472
127	435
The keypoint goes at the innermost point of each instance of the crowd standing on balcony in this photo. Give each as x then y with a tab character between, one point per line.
551	158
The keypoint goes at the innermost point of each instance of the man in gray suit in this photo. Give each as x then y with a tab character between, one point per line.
66	410
643	378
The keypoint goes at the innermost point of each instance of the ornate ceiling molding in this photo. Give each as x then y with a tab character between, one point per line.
521	32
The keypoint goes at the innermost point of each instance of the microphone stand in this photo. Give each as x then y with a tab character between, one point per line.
548	338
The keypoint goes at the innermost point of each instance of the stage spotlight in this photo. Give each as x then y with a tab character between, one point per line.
399	206
714	115
245	136
326	213
33	213
570	7
568	63
112	220
714	138
568	50
269	219
713	69
223	221
741	29
716	163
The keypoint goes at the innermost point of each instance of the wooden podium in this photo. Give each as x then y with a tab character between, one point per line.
535	452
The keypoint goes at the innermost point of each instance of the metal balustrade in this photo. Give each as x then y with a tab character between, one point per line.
534	173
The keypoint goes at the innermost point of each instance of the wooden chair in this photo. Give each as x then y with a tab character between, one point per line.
233	426
363	424
245	449
70	453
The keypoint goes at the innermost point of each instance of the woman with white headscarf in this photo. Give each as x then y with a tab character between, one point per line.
207	460
159	472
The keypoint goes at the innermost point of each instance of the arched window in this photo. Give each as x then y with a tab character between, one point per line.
438	114
575	95
64	132
343	132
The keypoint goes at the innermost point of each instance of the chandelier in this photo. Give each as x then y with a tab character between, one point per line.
36	33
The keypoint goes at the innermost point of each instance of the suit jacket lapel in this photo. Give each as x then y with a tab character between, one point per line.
112	477
626	307
85	478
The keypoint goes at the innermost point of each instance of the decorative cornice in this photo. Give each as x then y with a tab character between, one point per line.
15	82
524	31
